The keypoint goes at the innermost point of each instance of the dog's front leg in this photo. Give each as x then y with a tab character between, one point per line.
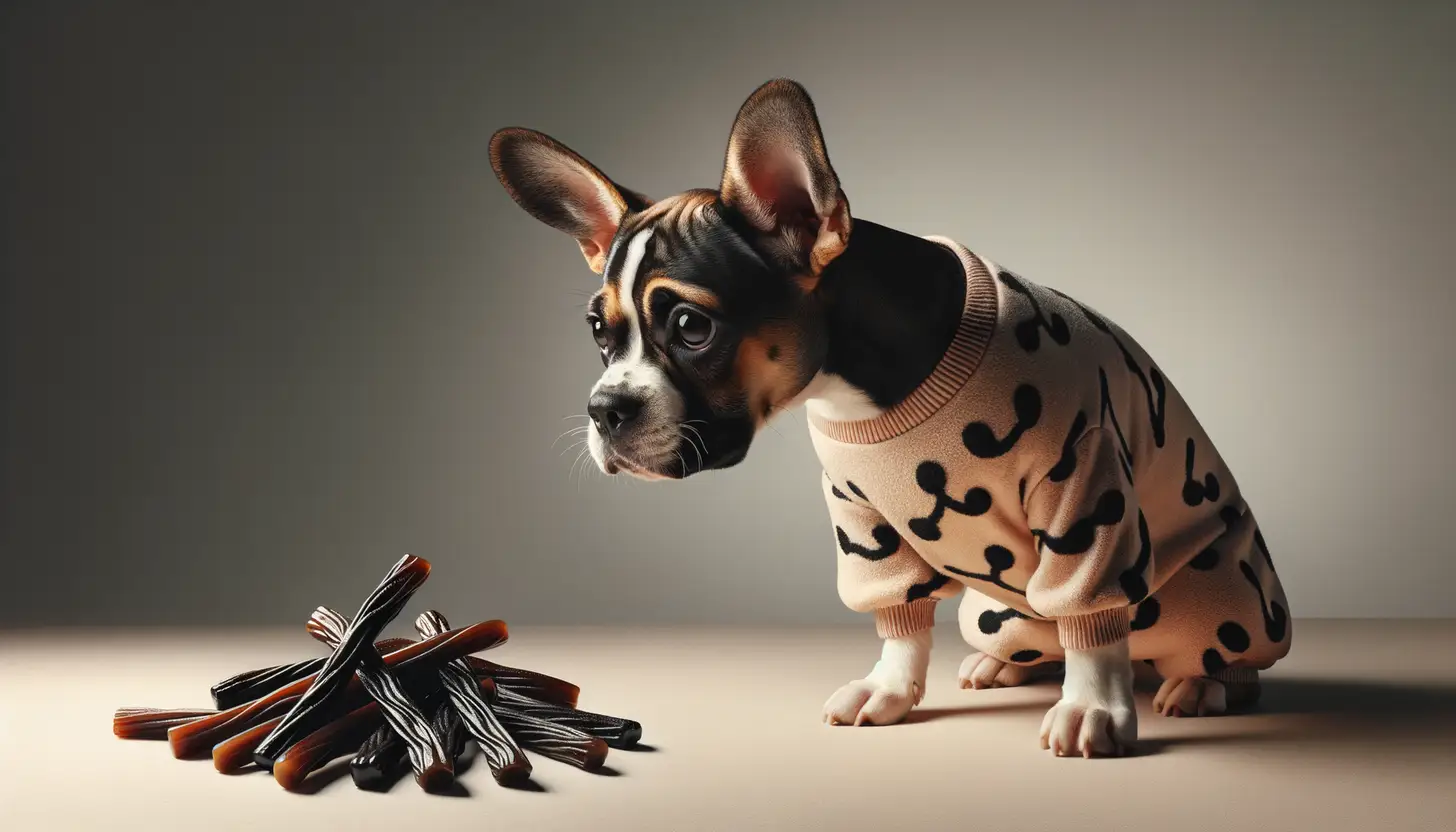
1096	715
890	690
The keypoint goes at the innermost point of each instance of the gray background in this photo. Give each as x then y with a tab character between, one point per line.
270	321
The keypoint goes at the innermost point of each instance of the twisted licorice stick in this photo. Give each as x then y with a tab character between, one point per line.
255	684
316	706
236	752
334	739
199	736
377	760
433	764
527	682
502	753
550	739
615	731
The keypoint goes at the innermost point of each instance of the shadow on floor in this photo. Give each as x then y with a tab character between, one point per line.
1332	716
1329	716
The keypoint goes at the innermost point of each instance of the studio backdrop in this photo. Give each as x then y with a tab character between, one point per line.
270	322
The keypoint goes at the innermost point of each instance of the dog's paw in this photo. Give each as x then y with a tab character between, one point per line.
1089	729
871	702
979	671
1196	696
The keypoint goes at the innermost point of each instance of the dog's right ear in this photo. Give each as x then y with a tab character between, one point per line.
560	188
777	174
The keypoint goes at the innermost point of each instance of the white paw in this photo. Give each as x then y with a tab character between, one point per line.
1096	716
1089	729
872	702
979	671
1191	697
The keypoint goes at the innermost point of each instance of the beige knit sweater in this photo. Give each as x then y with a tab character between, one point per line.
1048	465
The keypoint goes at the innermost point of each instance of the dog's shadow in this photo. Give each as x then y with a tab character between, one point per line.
1319	715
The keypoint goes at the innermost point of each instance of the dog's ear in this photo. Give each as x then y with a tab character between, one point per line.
777	175
560	188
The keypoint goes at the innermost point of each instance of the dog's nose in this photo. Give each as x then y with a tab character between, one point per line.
611	412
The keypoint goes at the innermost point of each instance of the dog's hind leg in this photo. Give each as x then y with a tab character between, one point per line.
979	671
1229	691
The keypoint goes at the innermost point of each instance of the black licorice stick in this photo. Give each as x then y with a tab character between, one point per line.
318	703
379	760
615	731
553	740
527	682
508	764
252	684
450	728
255	684
433	764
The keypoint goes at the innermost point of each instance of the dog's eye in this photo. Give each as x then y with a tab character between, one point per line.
692	328
599	331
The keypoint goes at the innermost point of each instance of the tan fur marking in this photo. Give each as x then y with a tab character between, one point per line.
767	383
687	291
612	306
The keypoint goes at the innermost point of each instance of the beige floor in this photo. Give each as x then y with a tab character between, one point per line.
1358	732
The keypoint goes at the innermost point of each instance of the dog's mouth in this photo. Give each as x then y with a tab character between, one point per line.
678	464
616	463
654	457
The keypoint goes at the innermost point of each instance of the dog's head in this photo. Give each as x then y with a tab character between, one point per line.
708	318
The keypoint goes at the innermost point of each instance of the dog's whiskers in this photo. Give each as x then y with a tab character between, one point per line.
569	432
682	428
573	446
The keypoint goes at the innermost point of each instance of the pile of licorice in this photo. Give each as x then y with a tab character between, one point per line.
391	703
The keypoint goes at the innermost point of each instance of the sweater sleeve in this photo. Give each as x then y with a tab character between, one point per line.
1092	543
878	570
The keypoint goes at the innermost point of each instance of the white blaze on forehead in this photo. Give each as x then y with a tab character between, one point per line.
657	429
621	371
626	287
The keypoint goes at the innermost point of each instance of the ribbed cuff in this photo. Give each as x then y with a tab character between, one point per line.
1237	675
1098	629
905	619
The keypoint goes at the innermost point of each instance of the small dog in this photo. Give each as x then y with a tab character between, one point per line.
980	434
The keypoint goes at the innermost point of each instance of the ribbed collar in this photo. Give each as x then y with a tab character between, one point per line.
962	357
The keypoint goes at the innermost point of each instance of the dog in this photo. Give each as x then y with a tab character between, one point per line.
982	435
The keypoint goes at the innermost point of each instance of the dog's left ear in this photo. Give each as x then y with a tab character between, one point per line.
777	174
560	188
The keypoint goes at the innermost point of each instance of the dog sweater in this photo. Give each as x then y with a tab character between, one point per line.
1048	465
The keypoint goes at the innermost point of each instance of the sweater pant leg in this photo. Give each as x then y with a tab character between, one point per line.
1003	633
1224	614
